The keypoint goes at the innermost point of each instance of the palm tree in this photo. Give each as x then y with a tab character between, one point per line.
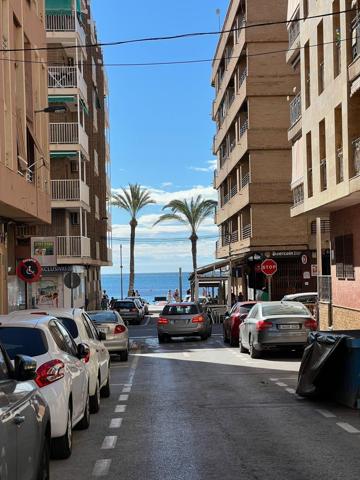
132	199
191	213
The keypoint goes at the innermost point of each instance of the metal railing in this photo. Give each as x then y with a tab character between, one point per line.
356	156
295	109
245	180
68	133
340	164
294	31
73	247
321	77
62	77
325	226
246	231
69	190
298	195
67	22
228	238
323	174
244	126
242	77
226	198
233	191
356	36
324	288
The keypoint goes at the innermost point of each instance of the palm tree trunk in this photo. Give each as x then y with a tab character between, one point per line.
133	225
193	240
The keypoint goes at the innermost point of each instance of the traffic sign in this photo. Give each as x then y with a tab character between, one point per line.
269	267
72	280
29	270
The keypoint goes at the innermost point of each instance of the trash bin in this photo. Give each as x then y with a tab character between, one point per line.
330	367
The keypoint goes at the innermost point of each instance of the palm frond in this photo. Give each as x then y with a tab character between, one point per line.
132	199
170	217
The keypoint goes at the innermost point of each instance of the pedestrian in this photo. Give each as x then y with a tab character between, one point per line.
112	302
241	297
233	299
104	301
137	294
177	295
264	295
169	296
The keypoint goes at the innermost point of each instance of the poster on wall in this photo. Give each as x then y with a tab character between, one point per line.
48	293
44	250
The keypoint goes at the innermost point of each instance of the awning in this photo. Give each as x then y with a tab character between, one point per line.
61	99
293	6
355	86
63	154
297	176
84	106
62	6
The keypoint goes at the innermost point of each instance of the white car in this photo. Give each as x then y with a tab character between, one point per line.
62	376
81	328
116	332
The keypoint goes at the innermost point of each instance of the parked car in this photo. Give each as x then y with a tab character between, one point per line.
110	323
275	326
61	374
129	310
81	328
183	320
232	321
310	299
144	303
25	430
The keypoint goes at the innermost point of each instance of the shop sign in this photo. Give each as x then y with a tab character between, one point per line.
57	269
286	253
44	250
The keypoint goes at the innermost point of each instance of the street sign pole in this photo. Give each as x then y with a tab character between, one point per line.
72	290
270	281
121	274
180	284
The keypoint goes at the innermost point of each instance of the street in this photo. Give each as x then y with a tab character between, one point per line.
200	410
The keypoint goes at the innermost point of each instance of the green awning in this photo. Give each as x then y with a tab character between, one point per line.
61	99
84	106
62	6
63	154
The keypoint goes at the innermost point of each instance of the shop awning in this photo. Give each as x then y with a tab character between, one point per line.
84	106
298	165
293	6
63	154
61	99
62	6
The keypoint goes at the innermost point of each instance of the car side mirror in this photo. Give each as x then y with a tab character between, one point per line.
25	368
82	351
243	317
102	336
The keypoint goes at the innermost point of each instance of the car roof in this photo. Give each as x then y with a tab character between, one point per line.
297	295
28	320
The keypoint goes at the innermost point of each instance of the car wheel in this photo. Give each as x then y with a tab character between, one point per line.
95	399
233	342
105	391
226	340
124	355
61	447
84	423
44	463
253	352
241	347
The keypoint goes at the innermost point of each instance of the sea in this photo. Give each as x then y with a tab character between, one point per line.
149	285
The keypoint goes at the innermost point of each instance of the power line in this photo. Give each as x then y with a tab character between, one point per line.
173	37
162	240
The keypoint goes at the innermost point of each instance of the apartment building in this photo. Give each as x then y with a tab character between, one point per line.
325	131
253	83
24	156
79	237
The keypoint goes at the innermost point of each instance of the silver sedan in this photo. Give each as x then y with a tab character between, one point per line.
275	326
116	332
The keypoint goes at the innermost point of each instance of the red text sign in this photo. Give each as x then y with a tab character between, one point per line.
269	267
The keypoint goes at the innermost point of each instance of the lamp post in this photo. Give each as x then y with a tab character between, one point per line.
228	237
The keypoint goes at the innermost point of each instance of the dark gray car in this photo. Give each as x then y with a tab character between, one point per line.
183	320
129	310
275	326
24	422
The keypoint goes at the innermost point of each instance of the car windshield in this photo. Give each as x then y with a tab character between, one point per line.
125	305
70	326
103	317
23	341
284	309
246	308
180	310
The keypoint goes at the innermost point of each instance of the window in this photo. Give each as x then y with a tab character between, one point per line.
284	309
307	75
71	345
87	327
320	51
344	257
23	341
253	312
70	326
339	145
103	317
336	38
74	218
322	156
180	310
309	164
57	336
4	373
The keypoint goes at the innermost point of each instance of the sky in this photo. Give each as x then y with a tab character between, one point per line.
161	127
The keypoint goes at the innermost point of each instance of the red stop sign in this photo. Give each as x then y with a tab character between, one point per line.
269	267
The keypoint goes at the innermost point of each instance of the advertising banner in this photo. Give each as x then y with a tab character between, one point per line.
44	250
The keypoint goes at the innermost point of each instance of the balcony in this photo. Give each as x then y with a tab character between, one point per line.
65	78
323	174
356	36
246	231
245	180
61	25
243	128
356	156
298	195
73	247
294	31
242	78
68	193
229	238
339	165
68	134
324	288
295	110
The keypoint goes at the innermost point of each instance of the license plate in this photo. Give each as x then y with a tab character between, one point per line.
103	330
290	326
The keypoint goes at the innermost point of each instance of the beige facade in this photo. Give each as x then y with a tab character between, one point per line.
325	132
253	83
24	156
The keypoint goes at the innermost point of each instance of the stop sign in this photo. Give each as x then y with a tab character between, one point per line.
269	267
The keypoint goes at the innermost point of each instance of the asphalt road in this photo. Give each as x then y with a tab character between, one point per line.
198	410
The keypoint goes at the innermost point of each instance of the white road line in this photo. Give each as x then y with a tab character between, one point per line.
273	379
116	422
347	427
109	442
120	408
325	413
127	384
126	389
280	384
101	468
123	398
290	390
186	354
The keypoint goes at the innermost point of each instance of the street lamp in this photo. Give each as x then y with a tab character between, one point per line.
228	238
52	109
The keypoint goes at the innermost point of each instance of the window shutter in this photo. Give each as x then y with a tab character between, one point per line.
348	256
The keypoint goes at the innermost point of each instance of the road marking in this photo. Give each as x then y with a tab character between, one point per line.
101	468
109	442
126	389
347	427
290	390
120	408
127	384
274	379
326	413
123	398
186	354
116	422
280	384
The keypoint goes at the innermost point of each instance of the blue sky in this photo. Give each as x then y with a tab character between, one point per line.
161	127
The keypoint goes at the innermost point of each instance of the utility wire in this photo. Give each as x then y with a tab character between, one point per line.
162	240
175	37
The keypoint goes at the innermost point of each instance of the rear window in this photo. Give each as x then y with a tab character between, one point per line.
246	308
70	326
103	317
23	341
284	309
125	305
180	310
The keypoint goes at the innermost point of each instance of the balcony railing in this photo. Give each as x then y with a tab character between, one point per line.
244	126
66	77
242	77
295	109
298	195
324	288
68	133
73	247
340	164
321	77
323	174
233	191
294	31
356	156
226	198
356	37
245	180
65	23
228	238
246	231
324	226
69	190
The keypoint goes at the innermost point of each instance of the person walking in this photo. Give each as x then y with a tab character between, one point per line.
104	301
177	295
169	296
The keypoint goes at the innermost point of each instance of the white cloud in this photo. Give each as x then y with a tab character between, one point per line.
211	166
166	184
